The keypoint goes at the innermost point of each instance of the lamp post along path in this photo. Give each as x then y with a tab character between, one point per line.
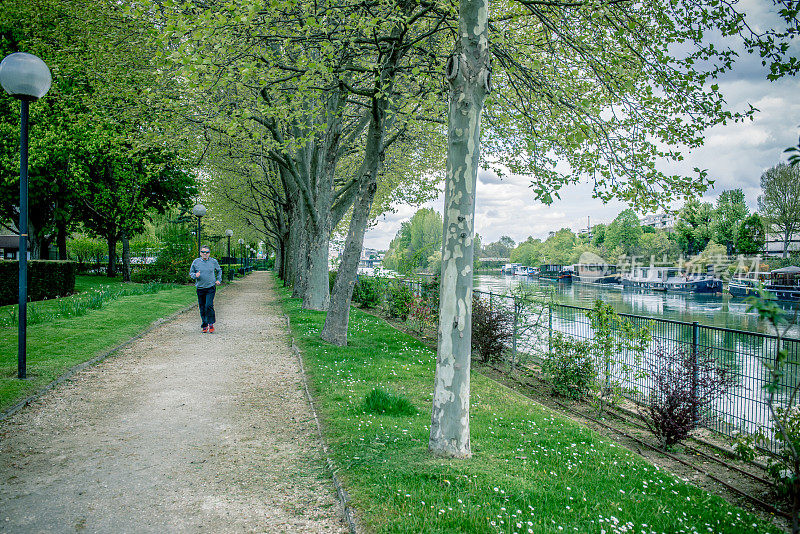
199	211
26	77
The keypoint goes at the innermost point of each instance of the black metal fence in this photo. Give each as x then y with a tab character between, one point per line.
746	354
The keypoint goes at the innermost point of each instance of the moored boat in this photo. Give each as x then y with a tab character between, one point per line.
554	271
670	279
595	273
746	286
784	283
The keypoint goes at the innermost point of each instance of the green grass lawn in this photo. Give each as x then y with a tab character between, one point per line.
532	471
86	282
56	345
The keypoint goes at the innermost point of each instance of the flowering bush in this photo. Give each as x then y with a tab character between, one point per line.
423	315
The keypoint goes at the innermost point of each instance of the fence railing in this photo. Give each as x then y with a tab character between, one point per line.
746	354
743	408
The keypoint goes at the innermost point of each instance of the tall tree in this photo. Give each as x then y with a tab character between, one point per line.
751	239
729	214
120	188
693	228
779	202
468	72
622	235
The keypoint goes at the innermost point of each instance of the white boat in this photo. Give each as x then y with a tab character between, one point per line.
521	270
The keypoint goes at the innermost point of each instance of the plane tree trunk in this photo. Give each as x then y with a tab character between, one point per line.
468	72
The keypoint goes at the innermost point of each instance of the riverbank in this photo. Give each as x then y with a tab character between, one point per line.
532	471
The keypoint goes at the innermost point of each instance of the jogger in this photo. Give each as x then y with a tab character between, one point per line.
207	275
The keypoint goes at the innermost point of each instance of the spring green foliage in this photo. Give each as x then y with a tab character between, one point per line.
750	238
729	214
531	468
615	339
399	300
623	234
569	367
76	305
780	201
369	291
416	242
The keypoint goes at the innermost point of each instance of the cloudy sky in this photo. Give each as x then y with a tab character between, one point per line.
735	155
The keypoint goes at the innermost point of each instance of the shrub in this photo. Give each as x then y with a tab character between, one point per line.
46	280
368	291
569	366
382	402
685	385
491	330
423	315
400	299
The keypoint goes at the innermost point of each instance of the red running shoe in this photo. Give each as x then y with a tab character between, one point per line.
211	329
205	330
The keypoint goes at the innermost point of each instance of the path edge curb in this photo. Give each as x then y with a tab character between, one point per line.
341	493
72	371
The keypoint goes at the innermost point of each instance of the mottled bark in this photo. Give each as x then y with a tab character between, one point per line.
468	73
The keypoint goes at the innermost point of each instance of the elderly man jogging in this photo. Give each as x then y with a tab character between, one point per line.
207	275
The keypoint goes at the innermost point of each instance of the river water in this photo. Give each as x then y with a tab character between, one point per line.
710	310
744	406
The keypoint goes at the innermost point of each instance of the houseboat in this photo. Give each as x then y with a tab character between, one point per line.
746	286
784	283
595	273
653	278
522	270
510	268
672	280
553	271
693	283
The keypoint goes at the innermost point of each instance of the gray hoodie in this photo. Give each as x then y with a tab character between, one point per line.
210	272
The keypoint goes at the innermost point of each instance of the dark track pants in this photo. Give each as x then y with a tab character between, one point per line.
205	298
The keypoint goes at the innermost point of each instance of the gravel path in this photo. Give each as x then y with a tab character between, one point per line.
179	432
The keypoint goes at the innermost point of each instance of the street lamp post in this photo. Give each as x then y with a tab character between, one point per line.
26	77
199	211
241	252
229	233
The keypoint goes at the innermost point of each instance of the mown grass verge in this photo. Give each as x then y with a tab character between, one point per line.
532	471
57	345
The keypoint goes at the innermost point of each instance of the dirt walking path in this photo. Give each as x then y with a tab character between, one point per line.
180	432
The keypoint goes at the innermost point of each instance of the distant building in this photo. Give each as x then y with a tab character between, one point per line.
659	221
9	247
370	257
774	244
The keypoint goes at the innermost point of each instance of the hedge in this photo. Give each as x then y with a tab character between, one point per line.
46	280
